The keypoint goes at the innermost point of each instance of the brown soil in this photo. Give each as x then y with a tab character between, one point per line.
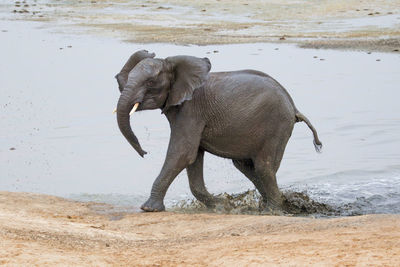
45	230
313	23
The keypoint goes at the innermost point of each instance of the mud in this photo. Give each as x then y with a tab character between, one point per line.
250	202
386	45
306	203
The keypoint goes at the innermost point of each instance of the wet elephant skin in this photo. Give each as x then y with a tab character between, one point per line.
243	115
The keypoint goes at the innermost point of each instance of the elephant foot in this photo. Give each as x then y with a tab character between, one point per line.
212	202
272	208
272	211
153	205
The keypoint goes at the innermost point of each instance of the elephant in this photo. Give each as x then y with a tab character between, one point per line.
243	115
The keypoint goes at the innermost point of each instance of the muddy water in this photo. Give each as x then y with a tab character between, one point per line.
58	136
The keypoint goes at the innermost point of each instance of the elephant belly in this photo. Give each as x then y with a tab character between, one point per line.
227	148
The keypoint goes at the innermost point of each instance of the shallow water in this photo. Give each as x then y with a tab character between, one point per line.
57	93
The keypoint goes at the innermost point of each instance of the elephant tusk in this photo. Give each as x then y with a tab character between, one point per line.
134	109
114	111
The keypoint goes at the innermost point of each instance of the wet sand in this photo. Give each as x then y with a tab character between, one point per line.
47	230
352	24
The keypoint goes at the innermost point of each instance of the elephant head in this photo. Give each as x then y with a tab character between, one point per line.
122	76
157	83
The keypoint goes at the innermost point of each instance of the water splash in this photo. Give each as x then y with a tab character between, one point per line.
356	192
250	202
341	194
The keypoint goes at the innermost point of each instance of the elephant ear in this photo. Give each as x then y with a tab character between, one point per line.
190	73
122	76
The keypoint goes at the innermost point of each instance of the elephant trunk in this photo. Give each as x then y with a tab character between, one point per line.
123	108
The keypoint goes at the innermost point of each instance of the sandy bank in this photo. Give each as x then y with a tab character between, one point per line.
39	229
350	24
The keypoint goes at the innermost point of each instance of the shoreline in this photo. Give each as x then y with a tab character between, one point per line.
75	233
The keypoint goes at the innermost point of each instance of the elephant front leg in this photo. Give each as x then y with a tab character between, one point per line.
173	165
182	151
196	181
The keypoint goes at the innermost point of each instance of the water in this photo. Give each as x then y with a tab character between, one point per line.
356	192
57	93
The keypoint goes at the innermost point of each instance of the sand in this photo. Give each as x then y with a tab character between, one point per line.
345	24
45	230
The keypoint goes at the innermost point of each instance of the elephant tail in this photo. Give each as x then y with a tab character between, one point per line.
317	143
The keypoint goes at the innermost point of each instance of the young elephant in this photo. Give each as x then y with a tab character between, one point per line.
243	115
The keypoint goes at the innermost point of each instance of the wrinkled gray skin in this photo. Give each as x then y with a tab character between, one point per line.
243	115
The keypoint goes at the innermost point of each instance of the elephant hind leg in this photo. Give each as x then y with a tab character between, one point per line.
246	166
263	179
266	164
196	181
267	185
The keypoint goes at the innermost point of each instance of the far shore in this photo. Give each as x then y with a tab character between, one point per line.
349	25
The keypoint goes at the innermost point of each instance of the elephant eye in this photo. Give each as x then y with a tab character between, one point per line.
150	83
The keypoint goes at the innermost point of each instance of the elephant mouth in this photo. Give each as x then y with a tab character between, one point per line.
132	110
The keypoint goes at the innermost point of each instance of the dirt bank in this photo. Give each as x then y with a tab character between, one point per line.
348	24
38	230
